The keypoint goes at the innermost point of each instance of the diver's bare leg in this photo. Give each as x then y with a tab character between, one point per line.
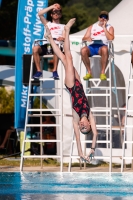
94	131
55	47
70	70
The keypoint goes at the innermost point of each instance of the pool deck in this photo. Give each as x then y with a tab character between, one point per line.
57	169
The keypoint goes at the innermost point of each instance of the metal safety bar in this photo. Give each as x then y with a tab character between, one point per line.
128	114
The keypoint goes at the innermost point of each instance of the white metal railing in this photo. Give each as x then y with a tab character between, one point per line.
58	113
108	109
128	111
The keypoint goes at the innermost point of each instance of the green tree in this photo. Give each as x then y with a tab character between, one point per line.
8	17
61	2
85	11
37	103
80	12
6	101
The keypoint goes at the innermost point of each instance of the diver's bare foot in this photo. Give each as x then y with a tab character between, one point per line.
70	23
48	33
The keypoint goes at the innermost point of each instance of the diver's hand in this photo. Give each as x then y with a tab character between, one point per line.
91	155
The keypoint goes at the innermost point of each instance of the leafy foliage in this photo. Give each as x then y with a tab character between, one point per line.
85	11
6	101
8	17
37	103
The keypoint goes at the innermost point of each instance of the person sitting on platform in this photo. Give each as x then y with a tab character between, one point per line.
102	32
83	119
57	33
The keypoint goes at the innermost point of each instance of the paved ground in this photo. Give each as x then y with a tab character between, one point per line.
57	169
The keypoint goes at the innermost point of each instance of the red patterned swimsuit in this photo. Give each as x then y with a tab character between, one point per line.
79	100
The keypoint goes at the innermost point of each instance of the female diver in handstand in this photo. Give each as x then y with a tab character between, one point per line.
83	119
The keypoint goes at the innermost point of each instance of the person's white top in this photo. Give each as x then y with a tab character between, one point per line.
56	31
97	33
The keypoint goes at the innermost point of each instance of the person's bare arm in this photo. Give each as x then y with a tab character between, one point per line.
77	135
94	130
87	36
12	127
109	34
77	132
45	10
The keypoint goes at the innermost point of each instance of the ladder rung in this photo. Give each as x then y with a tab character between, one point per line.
129	142
98	110
45	94
130	79
41	156
97	79
43	79
107	108
43	109
68	115
97	157
103	126
115	108
104	115
105	157
39	115
129	110
90	141
129	126
98	88
105	88
100	95
39	141
130	95
127	157
117	127
43	125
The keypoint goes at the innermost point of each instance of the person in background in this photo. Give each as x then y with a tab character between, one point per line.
83	120
8	133
57	31
99	34
49	133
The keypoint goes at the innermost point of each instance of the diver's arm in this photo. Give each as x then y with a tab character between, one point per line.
94	130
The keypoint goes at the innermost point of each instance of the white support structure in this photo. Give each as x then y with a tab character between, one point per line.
58	112
103	111
128	127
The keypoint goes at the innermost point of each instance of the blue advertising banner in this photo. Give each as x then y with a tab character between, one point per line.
29	28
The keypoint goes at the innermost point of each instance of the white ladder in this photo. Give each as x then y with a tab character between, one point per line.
128	126
57	112
107	111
